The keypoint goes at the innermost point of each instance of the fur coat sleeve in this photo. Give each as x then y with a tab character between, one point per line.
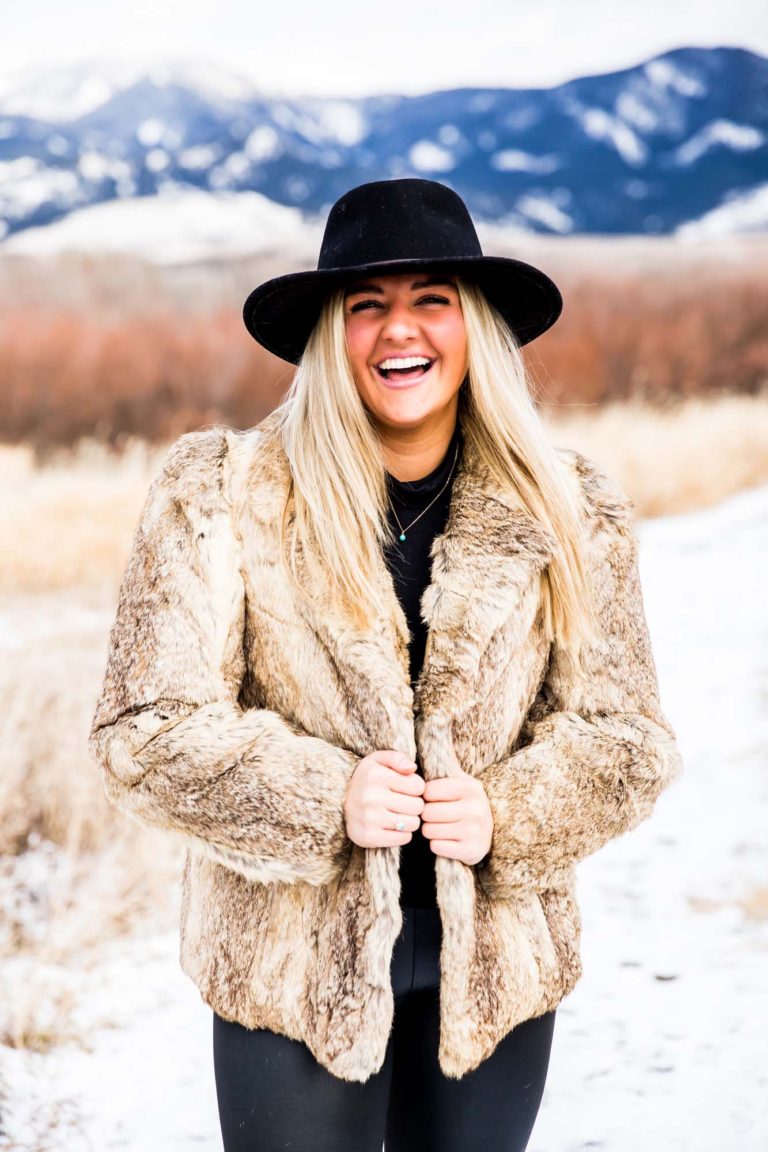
595	751
244	786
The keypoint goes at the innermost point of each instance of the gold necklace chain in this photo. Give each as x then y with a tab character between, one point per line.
402	530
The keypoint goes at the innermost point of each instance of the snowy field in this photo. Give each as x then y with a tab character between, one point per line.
661	1046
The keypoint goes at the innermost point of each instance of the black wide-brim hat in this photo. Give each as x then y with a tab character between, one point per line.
393	226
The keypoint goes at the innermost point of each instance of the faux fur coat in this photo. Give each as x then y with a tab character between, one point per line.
233	715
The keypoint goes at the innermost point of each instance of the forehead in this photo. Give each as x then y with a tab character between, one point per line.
407	281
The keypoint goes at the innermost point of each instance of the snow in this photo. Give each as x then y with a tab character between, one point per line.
481	102
601	125
521	117
739	137
336	120
297	187
26	184
449	135
632	106
664	74
66	92
426	156
199	157
157	159
669	1018
147	1081
513	160
218	83
745	213
322	122
150	131
661	1044
237	164
180	224
263	143
58	145
544	209
652	108
95	165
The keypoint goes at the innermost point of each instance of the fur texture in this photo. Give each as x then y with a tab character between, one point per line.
233	715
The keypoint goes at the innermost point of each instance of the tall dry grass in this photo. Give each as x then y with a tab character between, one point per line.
69	520
676	457
114	348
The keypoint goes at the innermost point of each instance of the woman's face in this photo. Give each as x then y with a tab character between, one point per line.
395	318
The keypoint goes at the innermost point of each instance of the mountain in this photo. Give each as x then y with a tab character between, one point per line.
673	145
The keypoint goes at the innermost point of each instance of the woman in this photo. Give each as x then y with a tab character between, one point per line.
382	662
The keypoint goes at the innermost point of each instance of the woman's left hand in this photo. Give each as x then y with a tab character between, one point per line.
457	817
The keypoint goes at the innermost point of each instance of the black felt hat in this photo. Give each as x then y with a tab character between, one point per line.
393	226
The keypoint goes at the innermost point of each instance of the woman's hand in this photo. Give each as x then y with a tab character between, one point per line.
457	817
385	785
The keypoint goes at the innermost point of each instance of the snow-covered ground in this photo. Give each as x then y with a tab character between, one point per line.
662	1043
179	225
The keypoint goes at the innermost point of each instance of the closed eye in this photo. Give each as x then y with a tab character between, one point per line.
361	304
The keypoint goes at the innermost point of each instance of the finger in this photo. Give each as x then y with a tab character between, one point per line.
449	848
410	822
404	805
443	811
434	831
412	785
445	788
396	760
389	838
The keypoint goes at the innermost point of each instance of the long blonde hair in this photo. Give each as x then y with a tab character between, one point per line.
338	487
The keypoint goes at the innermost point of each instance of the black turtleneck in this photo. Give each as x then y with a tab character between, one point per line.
410	564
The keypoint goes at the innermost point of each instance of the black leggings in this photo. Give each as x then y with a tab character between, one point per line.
273	1094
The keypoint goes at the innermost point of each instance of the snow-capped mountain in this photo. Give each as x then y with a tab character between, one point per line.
674	145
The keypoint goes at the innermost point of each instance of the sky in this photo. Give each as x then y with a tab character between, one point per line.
351	47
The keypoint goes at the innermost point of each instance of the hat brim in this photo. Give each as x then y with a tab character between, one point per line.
281	313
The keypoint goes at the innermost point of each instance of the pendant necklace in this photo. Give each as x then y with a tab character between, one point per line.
402	530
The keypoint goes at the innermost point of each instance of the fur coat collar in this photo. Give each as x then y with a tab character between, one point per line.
233	715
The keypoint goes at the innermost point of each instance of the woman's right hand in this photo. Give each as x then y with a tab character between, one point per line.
385	785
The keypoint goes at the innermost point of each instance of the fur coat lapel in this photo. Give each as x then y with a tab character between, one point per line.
478	607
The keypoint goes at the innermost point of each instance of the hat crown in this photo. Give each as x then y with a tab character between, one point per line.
404	219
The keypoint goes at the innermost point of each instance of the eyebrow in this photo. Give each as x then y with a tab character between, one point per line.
430	282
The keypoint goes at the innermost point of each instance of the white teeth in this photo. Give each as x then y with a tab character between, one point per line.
404	362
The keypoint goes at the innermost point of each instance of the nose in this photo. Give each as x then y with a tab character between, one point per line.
399	322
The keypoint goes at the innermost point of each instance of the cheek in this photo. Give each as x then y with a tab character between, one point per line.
358	342
453	338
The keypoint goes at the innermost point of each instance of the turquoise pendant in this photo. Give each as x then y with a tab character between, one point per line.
402	535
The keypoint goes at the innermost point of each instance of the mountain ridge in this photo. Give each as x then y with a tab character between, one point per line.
675	143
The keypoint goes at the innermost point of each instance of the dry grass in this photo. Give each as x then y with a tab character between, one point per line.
754	904
74	872
70	521
675	458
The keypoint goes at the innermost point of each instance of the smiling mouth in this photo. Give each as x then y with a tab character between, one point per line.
405	375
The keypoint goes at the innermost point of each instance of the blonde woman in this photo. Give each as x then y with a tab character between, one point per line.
382	662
